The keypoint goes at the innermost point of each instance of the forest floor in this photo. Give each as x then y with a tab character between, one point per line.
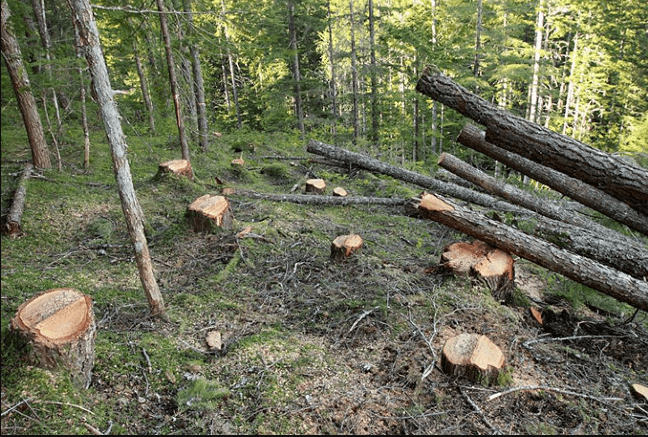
309	345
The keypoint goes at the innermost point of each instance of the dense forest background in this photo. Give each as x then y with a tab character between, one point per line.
344	71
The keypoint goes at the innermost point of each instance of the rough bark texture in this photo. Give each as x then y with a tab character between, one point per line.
610	174
305	199
588	195
11	226
595	275
82	14
59	327
22	88
374	165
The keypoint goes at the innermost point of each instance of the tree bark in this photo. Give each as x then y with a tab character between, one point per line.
374	165
595	275
20	82
82	14
313	199
299	111
175	91
592	197
199	83
144	87
11	226
354	77
84	113
610	174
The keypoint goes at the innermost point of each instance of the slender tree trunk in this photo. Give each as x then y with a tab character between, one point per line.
478	30
533	103
83	16
145	92
354	77
299	111
434	121
20	82
173	80
570	87
199	87
230	61
334	109
84	113
374	78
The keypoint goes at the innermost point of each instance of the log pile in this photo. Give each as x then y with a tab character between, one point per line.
559	236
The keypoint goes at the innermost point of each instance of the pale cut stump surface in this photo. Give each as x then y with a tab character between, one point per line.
474	356
209	212
59	326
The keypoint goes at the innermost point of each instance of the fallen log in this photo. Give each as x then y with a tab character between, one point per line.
473	137
610	174
374	165
313	199
11	226
588	272
544	207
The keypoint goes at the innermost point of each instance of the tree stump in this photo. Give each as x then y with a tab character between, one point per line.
340	192
345	245
317	186
473	356
59	328
208	212
180	167
480	259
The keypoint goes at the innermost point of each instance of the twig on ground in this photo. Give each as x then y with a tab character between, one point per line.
362	316
479	411
527	343
558	390
148	360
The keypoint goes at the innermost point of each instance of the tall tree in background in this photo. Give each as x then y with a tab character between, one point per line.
354	77
373	74
175	91
20	82
83	16
299	111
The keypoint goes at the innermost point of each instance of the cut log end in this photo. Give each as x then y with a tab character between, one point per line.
428	205
316	186
59	326
180	167
473	356
484	261
345	245
208	213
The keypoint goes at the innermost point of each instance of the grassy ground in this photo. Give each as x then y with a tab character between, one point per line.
309	345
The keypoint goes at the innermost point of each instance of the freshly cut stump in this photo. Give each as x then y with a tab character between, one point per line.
474	356
480	259
59	328
180	167
317	186
340	192
209	212
345	245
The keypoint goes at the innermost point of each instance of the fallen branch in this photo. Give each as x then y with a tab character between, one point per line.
585	194
593	274
547	388
12	226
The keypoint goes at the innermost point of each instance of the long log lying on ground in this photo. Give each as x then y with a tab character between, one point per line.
312	199
619	285
12	227
611	174
473	137
374	165
545	207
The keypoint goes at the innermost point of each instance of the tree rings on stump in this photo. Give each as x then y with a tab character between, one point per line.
480	259
180	167
344	245
209	212
473	356
340	192
316	186
59	327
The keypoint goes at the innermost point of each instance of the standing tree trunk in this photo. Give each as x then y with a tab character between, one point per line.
175	91
478	30
373	74
84	113
145	91
22	88
83	16
299	110
333	86
239	120
354	77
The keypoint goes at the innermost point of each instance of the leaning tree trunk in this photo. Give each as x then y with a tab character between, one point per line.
22	88
175	90
83	16
610	174
619	285
588	195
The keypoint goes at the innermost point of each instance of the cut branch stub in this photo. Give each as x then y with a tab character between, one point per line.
180	167
474	356
480	259
209	212
59	326
317	186
345	245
